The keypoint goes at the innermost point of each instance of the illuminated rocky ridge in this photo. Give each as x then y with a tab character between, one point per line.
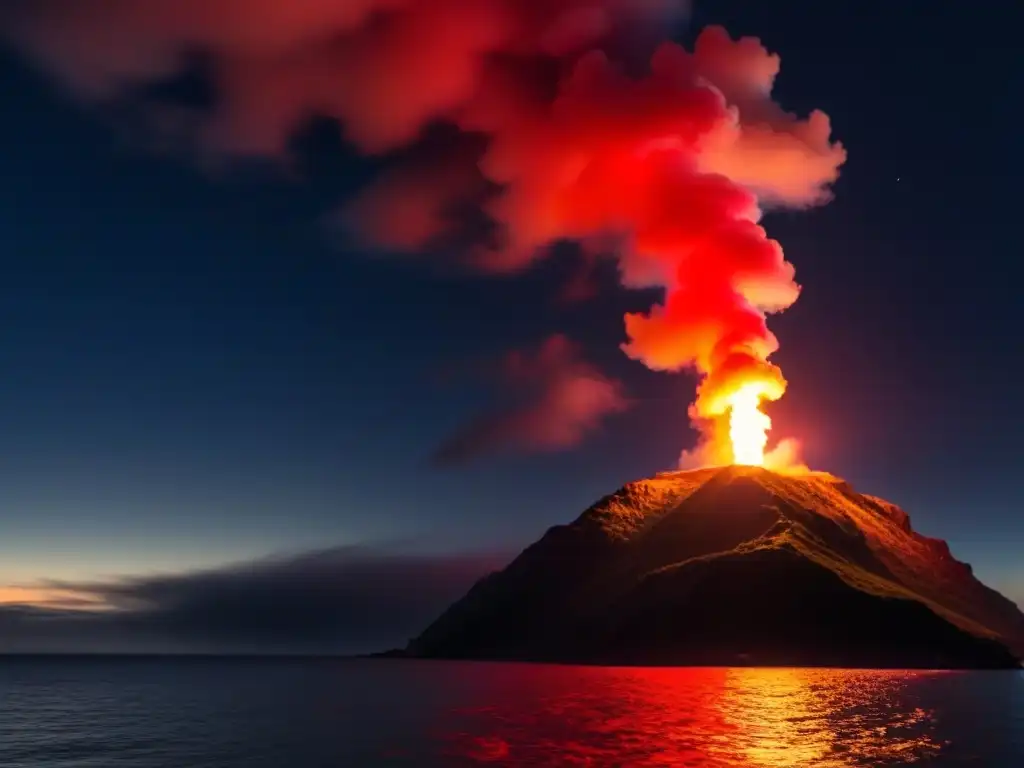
734	565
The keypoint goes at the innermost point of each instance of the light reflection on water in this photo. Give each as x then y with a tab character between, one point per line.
778	718
822	717
325	713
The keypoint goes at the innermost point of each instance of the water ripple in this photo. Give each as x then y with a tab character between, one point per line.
329	713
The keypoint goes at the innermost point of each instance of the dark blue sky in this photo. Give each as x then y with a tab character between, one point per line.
194	371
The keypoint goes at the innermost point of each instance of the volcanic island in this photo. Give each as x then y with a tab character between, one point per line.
734	566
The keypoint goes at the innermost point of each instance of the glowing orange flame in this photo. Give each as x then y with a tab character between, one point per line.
748	425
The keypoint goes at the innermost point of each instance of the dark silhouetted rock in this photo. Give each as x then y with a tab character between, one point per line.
734	566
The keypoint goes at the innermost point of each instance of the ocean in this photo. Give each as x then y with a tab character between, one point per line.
104	712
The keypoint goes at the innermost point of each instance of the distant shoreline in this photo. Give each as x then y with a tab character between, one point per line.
403	656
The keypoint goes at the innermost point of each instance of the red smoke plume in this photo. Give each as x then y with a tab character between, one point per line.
672	166
561	399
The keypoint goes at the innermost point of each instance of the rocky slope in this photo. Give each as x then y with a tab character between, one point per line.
734	566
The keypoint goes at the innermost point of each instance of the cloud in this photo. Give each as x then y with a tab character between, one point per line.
46	597
785	160
420	199
345	599
384	68
559	400
668	166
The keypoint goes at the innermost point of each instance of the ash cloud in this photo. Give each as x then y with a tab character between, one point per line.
673	164
340	600
559	399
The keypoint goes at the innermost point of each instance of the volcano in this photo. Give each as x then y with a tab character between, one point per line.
734	566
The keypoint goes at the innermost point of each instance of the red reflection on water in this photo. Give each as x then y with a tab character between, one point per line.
773	718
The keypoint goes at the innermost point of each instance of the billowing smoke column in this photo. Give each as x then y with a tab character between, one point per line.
671	167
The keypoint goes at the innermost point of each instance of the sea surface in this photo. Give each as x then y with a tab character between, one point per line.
319	713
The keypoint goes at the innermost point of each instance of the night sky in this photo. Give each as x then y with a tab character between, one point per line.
197	371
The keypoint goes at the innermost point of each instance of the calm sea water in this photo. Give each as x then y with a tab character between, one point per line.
289	713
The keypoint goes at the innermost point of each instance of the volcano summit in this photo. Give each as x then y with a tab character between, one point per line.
734	566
